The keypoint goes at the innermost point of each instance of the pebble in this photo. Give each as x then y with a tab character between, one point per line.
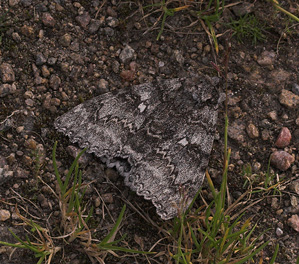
26	3
84	19
30	143
65	40
295	88
115	66
16	37
282	160
45	71
94	26
13	2
275	203
294	222
252	131
284	138
267	58
127	75
52	61
112	22
40	59
126	54
236	131
4	215
179	57
280	75
97	202
108	198
103	86
27	31
272	115
289	99
6	89
279	231
55	82
48	20
29	102
7	73
295	186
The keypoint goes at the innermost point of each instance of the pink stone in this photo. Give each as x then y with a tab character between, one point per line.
282	160
284	138
294	222
48	20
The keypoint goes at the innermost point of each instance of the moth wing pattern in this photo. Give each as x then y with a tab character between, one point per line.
164	129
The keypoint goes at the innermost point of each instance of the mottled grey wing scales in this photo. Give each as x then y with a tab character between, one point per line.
165	130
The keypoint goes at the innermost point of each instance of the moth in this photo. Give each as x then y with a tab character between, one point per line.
158	135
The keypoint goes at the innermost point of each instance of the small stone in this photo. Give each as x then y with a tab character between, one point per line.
55	81
252	131
126	54
4	215
6	72
294	201
282	160
115	66
279	231
295	88
30	143
65	40
267	58
294	186
236	131
294	222
45	71
48	20
40	59
94	26
29	102
280	75
109	31
127	75
6	89
55	101
112	22
274	203
16	37
20	129
52	61
108	198
289	99
179	57
103	86
26	3
84	19
97	202
13	2
207	49
27	31
111	11
272	115
284	138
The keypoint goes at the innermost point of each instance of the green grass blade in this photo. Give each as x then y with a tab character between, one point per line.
73	166
115	227
275	254
55	166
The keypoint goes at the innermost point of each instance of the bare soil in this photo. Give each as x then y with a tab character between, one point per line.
63	52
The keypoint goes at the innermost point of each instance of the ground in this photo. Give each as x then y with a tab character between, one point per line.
57	54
